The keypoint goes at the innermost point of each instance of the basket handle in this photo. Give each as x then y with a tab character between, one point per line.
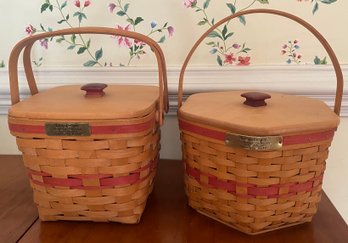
338	71
28	42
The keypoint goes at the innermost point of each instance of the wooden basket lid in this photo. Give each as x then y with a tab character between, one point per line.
70	103
283	114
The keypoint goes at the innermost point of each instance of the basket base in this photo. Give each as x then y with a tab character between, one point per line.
248	232
135	219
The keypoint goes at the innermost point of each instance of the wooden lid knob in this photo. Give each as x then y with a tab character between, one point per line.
94	90
255	99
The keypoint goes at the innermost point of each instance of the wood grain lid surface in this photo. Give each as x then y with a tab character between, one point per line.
284	114
70	103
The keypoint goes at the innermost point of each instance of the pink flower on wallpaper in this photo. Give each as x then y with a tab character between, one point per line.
30	30
123	41
139	43
229	58
44	43
87	3
111	7
236	46
243	61
77	3
171	31
190	3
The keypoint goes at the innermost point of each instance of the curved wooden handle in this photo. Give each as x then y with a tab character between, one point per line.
28	42
323	41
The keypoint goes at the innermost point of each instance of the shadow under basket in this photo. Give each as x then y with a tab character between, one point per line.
255	161
90	156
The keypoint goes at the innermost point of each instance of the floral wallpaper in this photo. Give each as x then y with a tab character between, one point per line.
64	11
226	48
230	52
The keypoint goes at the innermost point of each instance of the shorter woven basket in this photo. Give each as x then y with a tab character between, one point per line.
234	173
106	174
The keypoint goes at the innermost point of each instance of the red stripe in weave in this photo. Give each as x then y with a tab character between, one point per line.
287	140
201	130
62	182
37	173
263	191
95	130
97	176
119	181
308	138
229	186
20	128
134	128
253	191
106	181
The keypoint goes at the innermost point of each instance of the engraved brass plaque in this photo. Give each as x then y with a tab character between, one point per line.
266	143
68	129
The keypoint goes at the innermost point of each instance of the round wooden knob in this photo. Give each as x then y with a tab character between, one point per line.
255	99
94	90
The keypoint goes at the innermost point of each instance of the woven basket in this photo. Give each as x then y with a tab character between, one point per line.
256	169
89	158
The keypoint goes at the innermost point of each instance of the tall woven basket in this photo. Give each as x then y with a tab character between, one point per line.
90	156
254	165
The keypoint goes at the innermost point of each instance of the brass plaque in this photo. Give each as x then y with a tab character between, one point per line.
266	143
68	129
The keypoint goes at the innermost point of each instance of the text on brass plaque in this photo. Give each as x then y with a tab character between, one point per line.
266	143
68	129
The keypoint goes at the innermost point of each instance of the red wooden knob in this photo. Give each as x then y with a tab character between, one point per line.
94	90
255	99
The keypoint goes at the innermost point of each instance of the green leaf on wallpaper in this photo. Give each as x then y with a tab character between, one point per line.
138	20
71	47
224	32
328	1
242	20
42	28
2	64
215	34
121	13
131	21
60	39
315	8
64	5
231	7
99	54
219	60
213	21
163	38
67	17
126	6
229	35
80	16
213	51
90	63
81	50
203	22
318	61
61	21
263	1
44	7
73	38
88	43
206	4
